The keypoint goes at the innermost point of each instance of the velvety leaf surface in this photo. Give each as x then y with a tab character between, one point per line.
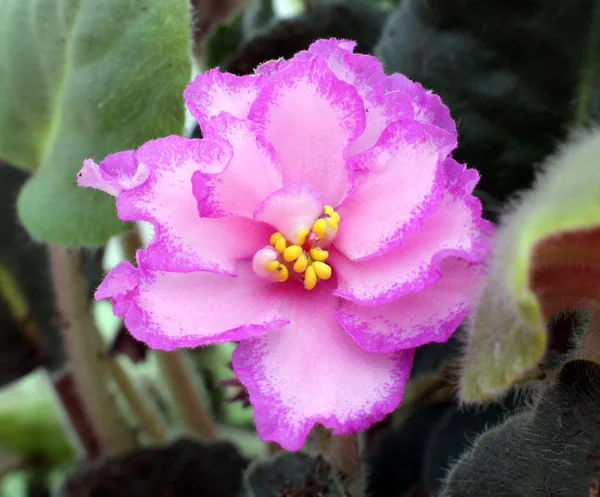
553	449
546	259
292	473
515	75
79	79
185	468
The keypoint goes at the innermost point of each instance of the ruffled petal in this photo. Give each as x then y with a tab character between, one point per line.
115	173
366	74
428	107
310	117
310	371
399	184
252	174
290	209
454	229
173	310
417	318
214	92
183	241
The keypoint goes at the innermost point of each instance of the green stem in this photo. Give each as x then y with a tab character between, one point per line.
148	419
85	349
178	376
589	70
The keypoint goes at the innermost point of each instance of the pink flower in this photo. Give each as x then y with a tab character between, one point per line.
320	222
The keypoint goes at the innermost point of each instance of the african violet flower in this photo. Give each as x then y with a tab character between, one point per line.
320	222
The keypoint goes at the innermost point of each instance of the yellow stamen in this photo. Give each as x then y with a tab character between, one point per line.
301	264
282	273
272	265
321	269
319	228
328	210
280	244
292	252
274	237
336	217
310	278
301	235
318	254
332	223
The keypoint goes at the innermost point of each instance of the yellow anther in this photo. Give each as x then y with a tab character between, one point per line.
292	252
282	273
280	244
321	269
272	265
310	278
301	235
301	263
332	223
328	210
319	228
336	217
318	254
274	237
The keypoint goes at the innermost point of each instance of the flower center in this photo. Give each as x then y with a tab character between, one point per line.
302	259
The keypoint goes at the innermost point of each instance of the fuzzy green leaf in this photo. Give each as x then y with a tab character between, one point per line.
545	260
82	78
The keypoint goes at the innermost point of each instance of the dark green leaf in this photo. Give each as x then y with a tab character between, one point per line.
515	75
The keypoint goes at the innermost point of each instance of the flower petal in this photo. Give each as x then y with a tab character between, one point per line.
454	229
366	74
115	173
214	92
417	318
252	174
428	107
310	117
290	209
310	371
398	185
183	241
172	310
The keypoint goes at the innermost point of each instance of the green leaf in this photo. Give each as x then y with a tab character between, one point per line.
514	75
82	78
551	449
546	259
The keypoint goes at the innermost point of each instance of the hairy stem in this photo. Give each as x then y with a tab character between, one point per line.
85	349
148	419
344	454
178	376
590	345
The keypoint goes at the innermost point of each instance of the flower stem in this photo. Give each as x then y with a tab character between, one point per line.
193	411
85	349
149	420
590	344
344	454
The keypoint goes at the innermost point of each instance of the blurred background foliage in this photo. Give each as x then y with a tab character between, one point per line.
520	79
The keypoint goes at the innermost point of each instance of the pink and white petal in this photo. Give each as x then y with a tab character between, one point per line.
213	92
173	310
382	110
454	229
310	117
270	67
252	174
117	172
417	318
399	184
428	107
90	176
290	209
183	241
310	371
